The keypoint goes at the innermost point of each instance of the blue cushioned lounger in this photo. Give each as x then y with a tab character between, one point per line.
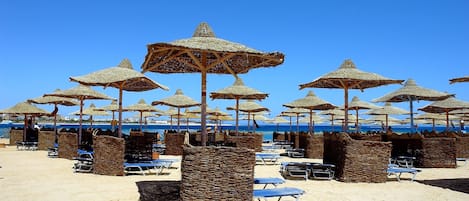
269	180
277	192
267	157
139	168
397	171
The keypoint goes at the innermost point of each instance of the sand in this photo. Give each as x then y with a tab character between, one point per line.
31	175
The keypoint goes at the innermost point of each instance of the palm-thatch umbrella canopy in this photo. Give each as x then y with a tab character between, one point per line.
311	120
26	109
141	107
113	107
387	110
434	117
290	115
238	91
357	104
446	106
382	119
249	107
56	101
205	53
171	112
333	113
349	77
80	92
178	100
278	120
296	112
122	77
188	114
412	92
310	102
91	111
218	115
459	79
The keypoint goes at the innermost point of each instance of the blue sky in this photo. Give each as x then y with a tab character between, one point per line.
43	43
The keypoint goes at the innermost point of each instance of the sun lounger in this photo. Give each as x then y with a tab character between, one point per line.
397	171
21	146
405	161
277	192
142	168
462	160
322	171
53	152
269	180
83	165
296	153
292	169
267	157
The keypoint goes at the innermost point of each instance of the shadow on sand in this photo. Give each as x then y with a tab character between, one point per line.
461	185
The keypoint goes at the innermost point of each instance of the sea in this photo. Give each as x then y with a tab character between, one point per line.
266	129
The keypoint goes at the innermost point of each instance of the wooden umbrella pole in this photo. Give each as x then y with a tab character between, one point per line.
290	125
311	121
237	116
297	123
332	124
179	113
356	122
141	118
24	127
433	123
203	107
345	128
249	121
81	121
447	121
55	123
387	128
112	123
411	115
120	111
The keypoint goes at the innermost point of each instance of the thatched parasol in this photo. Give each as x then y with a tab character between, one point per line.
141	107
310	102
446	106
332	112
56	101
80	92
26	109
238	91
178	100
91	111
249	106
113	107
217	115
349	77
357	104
296	112
382	119
204	53
311	120
434	117
459	79
411	92
387	110
278	120
122	77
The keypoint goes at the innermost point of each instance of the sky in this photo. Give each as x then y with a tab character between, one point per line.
43	43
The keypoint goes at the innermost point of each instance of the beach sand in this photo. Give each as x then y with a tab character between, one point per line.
31	175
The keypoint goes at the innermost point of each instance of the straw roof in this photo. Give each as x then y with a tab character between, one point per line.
386	110
80	92
411	91
141	106
24	108
198	110
446	105
54	100
238	91
249	106
348	76
459	79
278	120
315	118
434	116
92	111
357	104
311	102
178	100
122	76
111	107
295	111
335	111
221	56
382	118
460	111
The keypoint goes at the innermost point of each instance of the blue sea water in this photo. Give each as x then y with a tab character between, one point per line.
266	130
